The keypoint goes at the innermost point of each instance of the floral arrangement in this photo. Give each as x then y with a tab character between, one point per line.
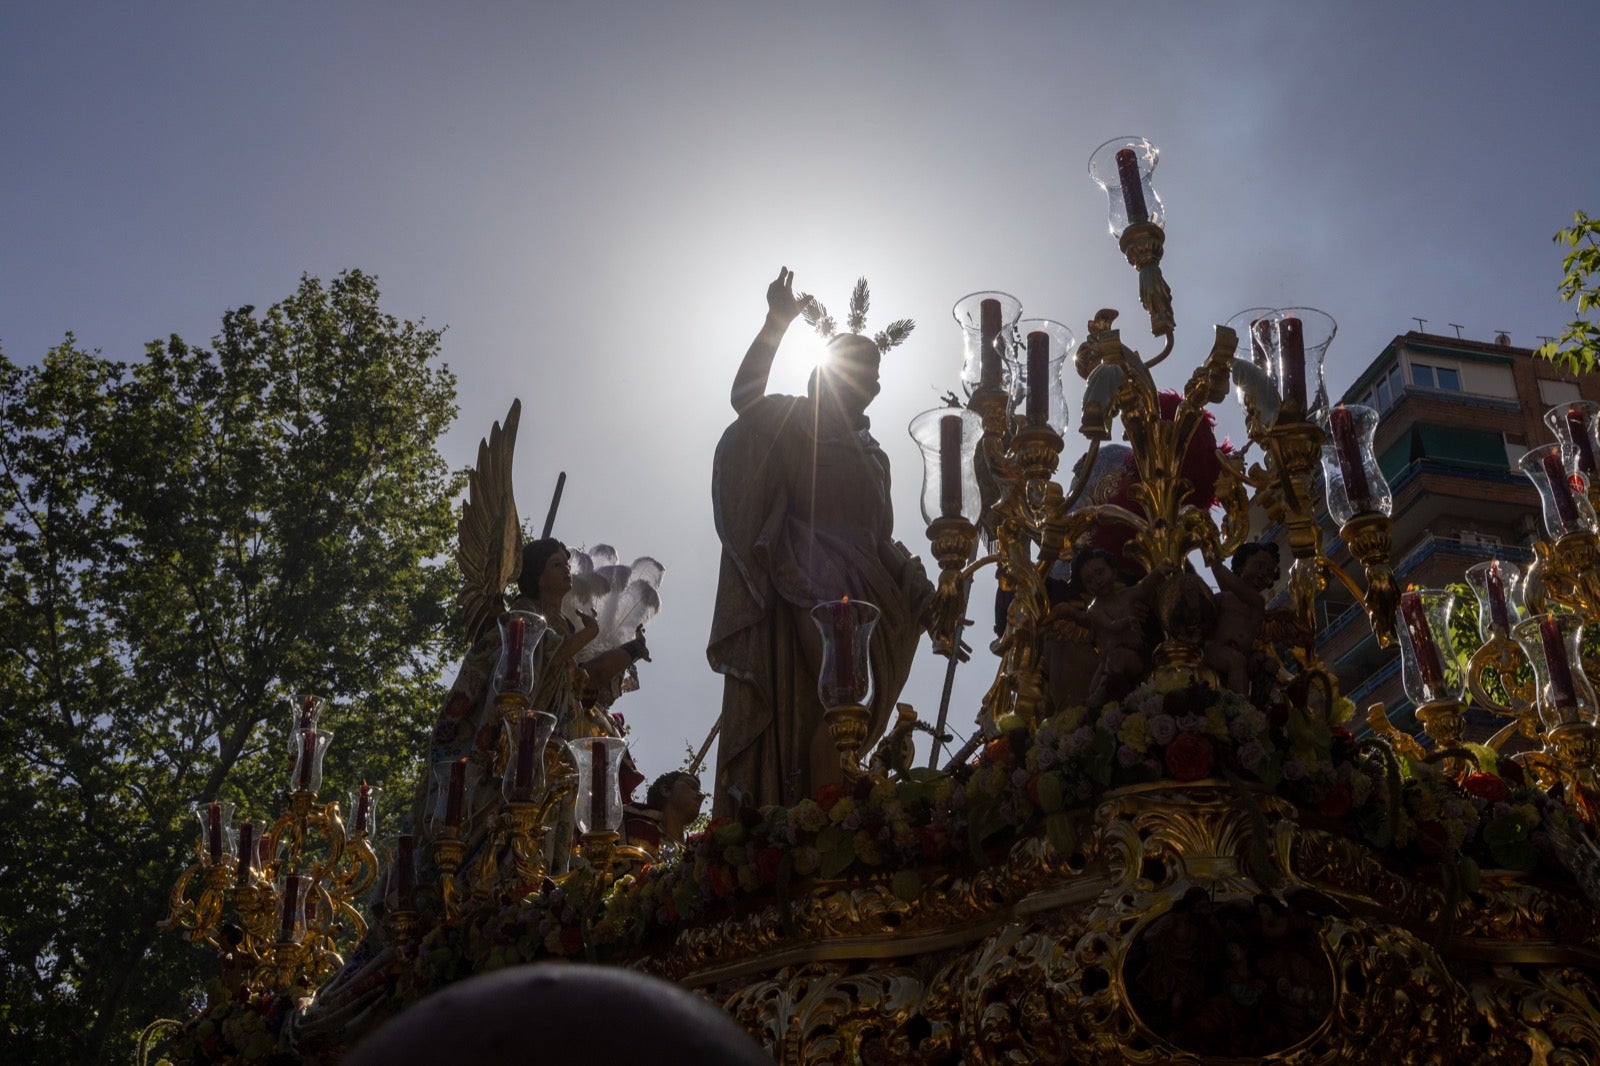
929	820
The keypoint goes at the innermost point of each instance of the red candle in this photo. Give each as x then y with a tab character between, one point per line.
512	679
1499	610
214	831
308	756
844	648
1132	188
457	793
1578	429
363	808
989	337
308	713
597	788
1429	663
527	738
247	853
1560	492
1351	467
1292	361
291	907
1261	342
950	432
1562	692
1038	378
405	867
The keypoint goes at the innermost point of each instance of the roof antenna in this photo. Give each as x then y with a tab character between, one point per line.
1422	323
1457	327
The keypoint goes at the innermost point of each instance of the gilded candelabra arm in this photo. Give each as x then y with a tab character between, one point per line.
1404	744
1166	350
1569	572
1210	381
1367	536
198	919
1081	484
354	877
1499	658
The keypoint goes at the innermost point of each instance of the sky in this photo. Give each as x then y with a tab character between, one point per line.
591	199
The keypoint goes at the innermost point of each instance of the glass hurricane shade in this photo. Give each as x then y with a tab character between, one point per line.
516	669
948	438
1563	495
528	733
1353	482
1573	424
310	746
597	802
846	628
364	811
986	320
1551	642
1498	586
217	839
1123	167
1038	354
1428	666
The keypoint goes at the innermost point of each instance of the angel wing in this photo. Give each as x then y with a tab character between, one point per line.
490	538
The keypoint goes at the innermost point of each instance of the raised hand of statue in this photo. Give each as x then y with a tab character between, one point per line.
783	303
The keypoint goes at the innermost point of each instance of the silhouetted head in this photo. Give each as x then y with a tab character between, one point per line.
850	373
561	1012
1094	572
676	790
540	577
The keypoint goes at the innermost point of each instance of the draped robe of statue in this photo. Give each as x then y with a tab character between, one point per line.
803	510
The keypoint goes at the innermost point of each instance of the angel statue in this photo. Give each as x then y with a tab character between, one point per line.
800	493
576	656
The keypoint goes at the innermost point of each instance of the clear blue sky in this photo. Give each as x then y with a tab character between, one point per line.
592	198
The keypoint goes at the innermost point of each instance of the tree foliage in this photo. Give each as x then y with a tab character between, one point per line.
189	540
1578	347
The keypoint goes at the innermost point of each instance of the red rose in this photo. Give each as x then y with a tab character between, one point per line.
768	863
1432	839
997	752
828	795
934	841
1189	757
571	939
1337	803
1486	786
721	878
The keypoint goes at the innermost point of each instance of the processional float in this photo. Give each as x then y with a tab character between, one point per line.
1182	873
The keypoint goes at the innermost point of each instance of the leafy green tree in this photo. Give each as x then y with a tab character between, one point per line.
189	540
1578	347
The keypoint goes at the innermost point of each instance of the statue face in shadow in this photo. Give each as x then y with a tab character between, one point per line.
850	376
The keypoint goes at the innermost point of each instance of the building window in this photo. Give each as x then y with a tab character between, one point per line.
1436	377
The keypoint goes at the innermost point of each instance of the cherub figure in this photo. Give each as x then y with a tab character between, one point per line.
1241	610
1116	617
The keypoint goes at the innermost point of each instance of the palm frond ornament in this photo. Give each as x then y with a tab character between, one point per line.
817	316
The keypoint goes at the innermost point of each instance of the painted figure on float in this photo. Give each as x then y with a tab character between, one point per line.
800	493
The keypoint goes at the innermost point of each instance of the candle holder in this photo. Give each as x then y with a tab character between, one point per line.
1036	358
1551	641
1432	678
597	797
986	319
516	671
310	747
844	684
1576	426
305	712
1123	167
1563	496
1495	674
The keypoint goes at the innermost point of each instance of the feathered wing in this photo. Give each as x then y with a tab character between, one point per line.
490	537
